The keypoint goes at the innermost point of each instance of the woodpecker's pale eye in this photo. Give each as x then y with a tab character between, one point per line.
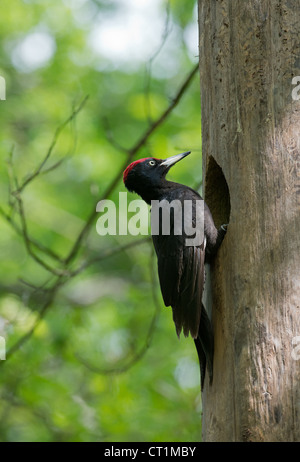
152	162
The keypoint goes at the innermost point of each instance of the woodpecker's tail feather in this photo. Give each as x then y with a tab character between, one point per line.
205	347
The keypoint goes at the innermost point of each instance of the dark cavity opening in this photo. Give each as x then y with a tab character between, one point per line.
217	194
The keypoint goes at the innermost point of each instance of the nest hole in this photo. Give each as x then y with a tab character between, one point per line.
217	194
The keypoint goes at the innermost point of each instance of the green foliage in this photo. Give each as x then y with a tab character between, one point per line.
101	364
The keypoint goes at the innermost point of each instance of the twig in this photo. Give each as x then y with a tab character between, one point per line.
108	253
12	180
58	131
15	192
27	240
24	338
51	292
32	241
52	167
165	35
165	114
141	352
109	136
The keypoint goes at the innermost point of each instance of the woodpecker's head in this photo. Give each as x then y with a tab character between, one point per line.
146	175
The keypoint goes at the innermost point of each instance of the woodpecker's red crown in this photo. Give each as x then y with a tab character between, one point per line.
133	164
147	176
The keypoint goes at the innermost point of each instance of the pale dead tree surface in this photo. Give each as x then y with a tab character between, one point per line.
249	54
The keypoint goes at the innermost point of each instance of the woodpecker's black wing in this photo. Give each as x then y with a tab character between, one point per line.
181	265
181	276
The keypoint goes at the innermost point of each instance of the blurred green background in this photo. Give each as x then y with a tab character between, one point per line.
103	362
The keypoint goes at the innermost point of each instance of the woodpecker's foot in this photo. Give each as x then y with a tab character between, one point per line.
221	233
224	228
211	252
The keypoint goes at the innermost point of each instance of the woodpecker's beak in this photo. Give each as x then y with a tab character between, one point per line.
174	159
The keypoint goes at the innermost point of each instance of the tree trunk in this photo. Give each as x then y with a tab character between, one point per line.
249	54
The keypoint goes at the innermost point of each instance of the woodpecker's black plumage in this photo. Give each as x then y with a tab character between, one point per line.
180	267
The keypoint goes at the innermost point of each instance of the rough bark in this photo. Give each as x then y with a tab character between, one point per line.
249	54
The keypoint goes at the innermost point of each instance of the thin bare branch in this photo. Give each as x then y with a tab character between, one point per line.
15	198
165	35
33	242
27	240
108	253
24	338
138	355
51	292
12	180
53	167
57	133
109	136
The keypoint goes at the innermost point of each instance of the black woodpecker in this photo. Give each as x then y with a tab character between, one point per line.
180	266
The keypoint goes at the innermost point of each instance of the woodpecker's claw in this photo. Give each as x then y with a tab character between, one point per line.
224	227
